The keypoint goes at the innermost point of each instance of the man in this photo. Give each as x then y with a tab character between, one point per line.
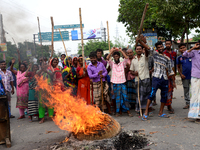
162	63
62	58
99	53
186	65
130	83
118	79
194	54
97	72
140	69
14	76
172	55
7	79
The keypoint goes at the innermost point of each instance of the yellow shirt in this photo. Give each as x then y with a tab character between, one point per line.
141	66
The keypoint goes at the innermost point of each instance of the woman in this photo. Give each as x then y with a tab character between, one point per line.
69	75
75	62
83	82
22	88
57	66
57	75
32	98
53	76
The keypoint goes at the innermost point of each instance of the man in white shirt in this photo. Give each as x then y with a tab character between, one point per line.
62	57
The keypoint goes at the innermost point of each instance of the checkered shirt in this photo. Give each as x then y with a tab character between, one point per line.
118	73
161	63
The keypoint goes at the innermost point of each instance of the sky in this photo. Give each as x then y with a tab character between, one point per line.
20	18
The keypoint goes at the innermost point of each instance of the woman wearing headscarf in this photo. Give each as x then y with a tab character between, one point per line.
69	75
22	87
54	77
32	98
83	81
75	63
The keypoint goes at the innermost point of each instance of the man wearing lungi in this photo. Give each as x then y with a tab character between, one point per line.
119	80
194	54
97	71
172	55
162	64
140	68
130	83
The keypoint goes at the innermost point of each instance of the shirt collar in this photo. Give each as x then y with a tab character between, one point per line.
142	55
93	65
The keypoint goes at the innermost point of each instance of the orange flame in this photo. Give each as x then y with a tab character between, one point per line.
72	114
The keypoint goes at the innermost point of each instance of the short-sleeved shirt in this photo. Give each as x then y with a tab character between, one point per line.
118	73
2	92
162	63
141	66
195	56
7	78
186	66
14	76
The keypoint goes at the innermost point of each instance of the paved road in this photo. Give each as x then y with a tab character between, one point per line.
174	133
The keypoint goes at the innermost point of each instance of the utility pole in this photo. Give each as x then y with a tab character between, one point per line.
2	34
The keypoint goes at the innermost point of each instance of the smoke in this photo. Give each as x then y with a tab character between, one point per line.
18	22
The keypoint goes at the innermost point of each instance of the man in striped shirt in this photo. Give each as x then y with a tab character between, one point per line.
162	69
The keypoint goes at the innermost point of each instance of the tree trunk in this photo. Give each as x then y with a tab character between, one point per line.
183	34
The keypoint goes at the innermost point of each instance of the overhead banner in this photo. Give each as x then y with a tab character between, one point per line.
3	47
151	39
87	34
46	36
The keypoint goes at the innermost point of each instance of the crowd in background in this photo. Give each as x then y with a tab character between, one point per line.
114	82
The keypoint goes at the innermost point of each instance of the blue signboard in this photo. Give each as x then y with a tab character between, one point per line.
151	39
149	34
46	36
69	26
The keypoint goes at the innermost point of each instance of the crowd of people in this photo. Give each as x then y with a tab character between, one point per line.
116	82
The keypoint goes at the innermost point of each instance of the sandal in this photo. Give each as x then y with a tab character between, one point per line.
21	117
186	107
117	115
130	115
150	114
144	117
164	116
41	121
171	111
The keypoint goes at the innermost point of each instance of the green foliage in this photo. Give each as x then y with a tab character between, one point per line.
93	45
12	51
171	18
196	38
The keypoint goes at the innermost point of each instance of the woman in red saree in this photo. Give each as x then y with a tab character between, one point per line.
83	81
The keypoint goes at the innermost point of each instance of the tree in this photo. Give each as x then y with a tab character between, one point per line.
93	45
196	38
177	17
119	42
12	51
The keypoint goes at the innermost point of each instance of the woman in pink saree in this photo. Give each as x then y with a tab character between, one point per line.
22	88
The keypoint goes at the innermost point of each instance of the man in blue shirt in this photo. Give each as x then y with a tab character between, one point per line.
186	65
